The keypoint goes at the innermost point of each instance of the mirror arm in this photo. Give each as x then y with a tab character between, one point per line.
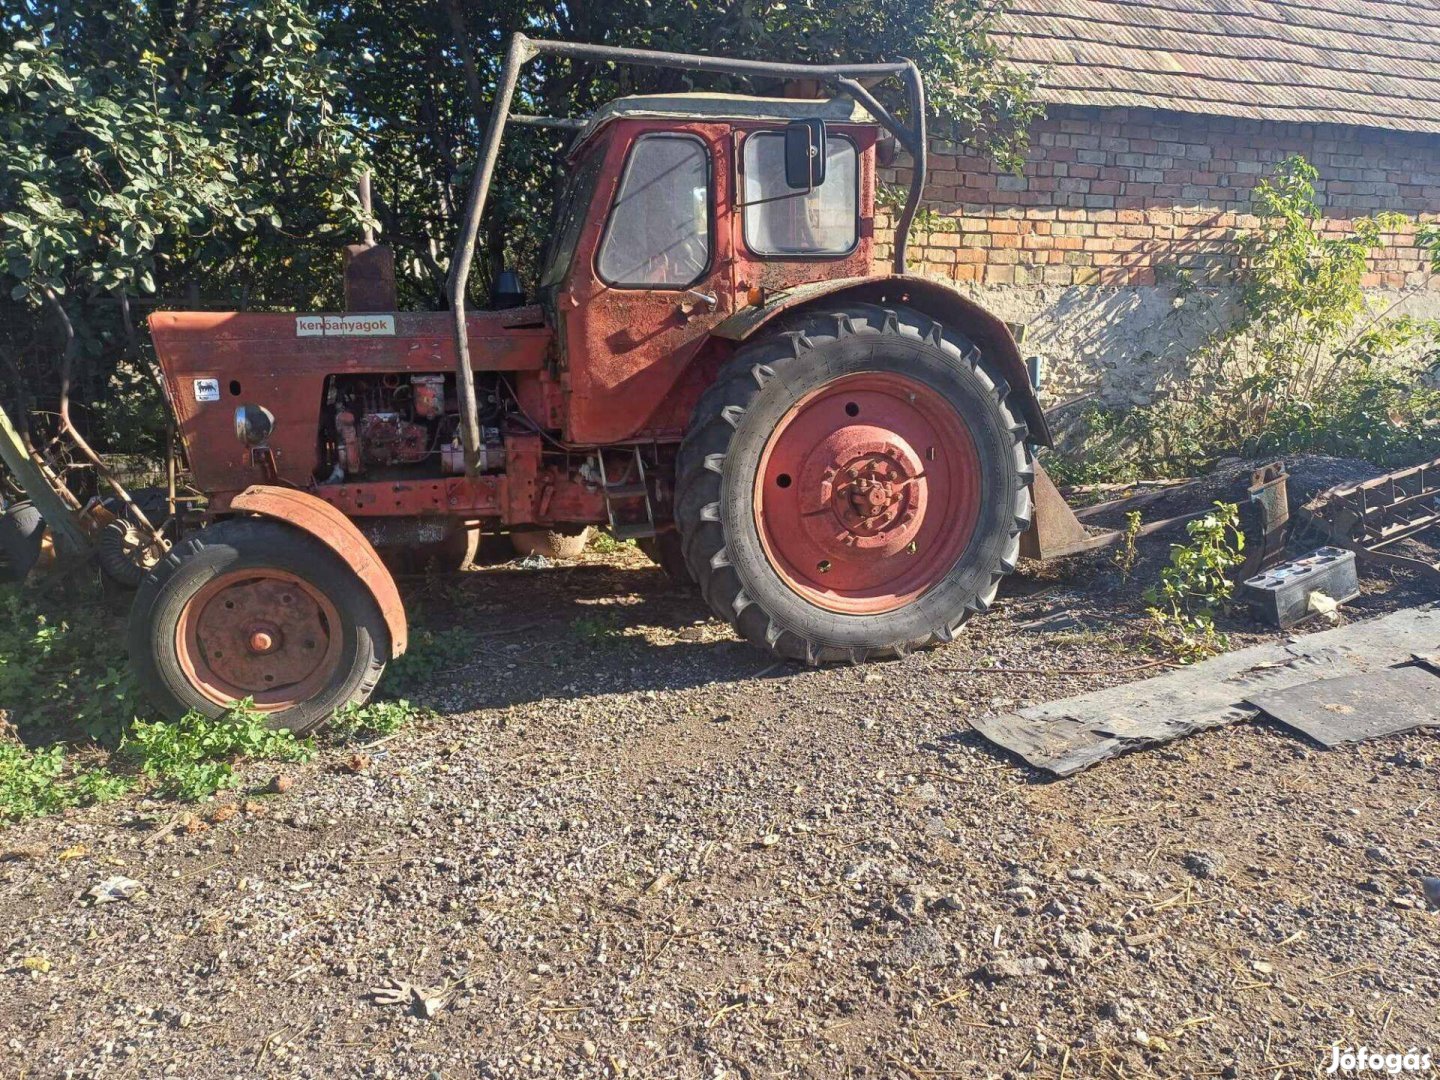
913	140
800	194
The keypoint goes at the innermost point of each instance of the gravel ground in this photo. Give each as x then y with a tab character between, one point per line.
629	845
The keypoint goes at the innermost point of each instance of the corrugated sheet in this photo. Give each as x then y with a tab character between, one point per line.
1362	62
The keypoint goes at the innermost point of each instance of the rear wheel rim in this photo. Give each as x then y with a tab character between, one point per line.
262	634
867	493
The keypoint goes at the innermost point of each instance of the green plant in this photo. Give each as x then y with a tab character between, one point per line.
1306	366
1195	583
891	197
430	653
61	665
377	718
597	629
195	756
1126	554
603	542
34	782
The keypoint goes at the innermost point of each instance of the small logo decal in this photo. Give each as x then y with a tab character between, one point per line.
207	389
344	325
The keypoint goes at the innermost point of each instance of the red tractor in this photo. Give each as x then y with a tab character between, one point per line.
839	459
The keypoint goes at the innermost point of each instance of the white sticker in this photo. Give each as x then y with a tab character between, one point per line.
344	325
207	389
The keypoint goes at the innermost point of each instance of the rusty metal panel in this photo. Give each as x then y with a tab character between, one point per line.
1066	736
339	534
1358	707
1370	516
1055	529
628	349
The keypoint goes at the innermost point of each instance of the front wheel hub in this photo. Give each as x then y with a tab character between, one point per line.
263	634
868	492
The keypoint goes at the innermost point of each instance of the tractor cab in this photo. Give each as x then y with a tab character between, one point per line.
681	209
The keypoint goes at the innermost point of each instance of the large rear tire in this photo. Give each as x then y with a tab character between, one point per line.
255	608
853	486
667	551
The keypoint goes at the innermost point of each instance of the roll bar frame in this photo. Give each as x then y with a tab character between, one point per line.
523	49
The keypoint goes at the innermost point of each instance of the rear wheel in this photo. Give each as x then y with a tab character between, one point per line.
667	551
252	608
853	487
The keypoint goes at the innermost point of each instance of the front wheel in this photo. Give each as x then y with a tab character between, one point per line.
853	487
252	608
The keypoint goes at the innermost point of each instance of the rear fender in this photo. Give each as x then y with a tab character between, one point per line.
338	533
939	301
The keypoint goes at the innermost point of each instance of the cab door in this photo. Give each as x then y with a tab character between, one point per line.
644	297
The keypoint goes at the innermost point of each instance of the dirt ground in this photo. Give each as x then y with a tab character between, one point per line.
629	845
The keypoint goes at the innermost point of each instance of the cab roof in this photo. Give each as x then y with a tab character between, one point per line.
708	106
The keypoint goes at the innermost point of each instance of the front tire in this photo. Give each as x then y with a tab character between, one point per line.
256	608
854	486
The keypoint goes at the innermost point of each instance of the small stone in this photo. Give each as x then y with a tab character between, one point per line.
1077	945
1380	854
1024	968
1135	880
1204	864
770	839
1430	886
1150	1042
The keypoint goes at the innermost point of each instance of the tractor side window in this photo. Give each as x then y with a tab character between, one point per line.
659	229
822	222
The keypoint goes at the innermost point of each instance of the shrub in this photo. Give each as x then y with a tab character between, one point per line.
1304	367
1195	583
195	756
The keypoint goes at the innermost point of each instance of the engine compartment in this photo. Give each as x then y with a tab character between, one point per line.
378	427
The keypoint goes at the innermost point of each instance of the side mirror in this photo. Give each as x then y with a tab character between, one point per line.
804	154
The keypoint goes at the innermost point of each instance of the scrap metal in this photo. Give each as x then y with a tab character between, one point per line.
1370	517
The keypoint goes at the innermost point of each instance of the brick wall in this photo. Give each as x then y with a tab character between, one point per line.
1141	196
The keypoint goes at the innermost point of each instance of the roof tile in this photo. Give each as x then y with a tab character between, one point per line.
1369	62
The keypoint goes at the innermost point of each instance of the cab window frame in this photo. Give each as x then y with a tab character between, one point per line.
710	215
742	196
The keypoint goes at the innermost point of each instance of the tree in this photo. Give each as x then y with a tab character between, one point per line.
152	148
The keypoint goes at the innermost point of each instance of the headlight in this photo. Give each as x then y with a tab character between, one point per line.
253	424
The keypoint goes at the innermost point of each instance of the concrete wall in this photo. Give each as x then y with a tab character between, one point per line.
1116	244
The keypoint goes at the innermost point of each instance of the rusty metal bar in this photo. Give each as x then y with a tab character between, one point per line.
520	53
59	516
1368	516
